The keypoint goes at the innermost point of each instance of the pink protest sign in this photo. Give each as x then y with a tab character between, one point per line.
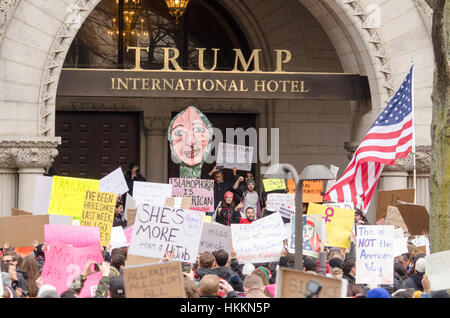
64	263
77	236
201	191
129	233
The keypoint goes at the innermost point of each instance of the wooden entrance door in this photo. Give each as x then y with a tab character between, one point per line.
95	143
222	122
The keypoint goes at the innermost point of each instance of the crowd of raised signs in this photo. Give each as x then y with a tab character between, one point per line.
227	241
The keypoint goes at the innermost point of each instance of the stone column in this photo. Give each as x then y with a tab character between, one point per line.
156	148
8	193
31	155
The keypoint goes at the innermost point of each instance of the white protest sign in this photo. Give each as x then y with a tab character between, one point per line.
214	237
130	204
341	205
230	155
158	229
374	254
400	243
152	193
114	182
41	202
259	242
437	268
118	238
281	202
334	170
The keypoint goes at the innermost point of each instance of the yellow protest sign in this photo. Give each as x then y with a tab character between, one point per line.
339	223
207	218
67	196
98	211
274	184
312	191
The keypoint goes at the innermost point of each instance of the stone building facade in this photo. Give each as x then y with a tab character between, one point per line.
375	38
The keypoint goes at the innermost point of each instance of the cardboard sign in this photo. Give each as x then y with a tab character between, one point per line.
77	236
416	218
130	203
312	191
158	229
339	223
68	193
391	197
438	270
154	281
292	283
22	230
393	217
131	216
215	237
259	242
312	227
201	191
179	202
375	254
64	263
17	212
114	182
98	211
152	193
281	202
139	260
291	186
274	184
230	155
422	241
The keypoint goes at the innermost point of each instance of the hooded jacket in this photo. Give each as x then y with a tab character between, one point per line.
228	215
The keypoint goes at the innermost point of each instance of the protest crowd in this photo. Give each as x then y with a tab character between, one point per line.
214	272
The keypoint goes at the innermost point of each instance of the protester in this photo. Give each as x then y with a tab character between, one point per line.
227	212
133	174
18	277
254	287
119	219
117	287
103	285
242	185
249	216
190	288
414	280
220	185
30	269
249	197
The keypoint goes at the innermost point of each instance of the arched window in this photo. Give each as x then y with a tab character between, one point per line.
102	41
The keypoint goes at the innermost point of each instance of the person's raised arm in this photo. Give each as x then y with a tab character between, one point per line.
322	268
213	170
103	285
236	184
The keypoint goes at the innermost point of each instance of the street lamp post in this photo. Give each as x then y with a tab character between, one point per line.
311	172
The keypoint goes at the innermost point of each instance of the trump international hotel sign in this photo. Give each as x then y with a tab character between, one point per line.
173	81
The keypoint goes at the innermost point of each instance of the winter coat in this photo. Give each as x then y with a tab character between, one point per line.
228	215
219	191
102	288
414	281
130	182
119	221
258	211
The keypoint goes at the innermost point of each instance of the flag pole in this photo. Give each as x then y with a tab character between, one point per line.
414	135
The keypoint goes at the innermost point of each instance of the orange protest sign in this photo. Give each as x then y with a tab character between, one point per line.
312	190
291	186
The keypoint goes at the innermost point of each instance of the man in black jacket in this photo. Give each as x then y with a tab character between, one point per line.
220	185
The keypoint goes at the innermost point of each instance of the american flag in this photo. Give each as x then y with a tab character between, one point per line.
381	221
390	137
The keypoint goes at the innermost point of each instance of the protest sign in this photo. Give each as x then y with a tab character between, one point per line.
139	260
117	236
208	219
129	232
274	184
391	197
64	263
98	211
374	254
17	212
312	191
114	182
416	218
281	202
334	170
393	217
341	205
422	241
154	281
131	216
158	229
152	193
68	193
438	270
312	228
339	223
215	237
42	193
78	236
22	230
291	186
201	191
259	242
400	243
130	203
230	155
291	283
179	202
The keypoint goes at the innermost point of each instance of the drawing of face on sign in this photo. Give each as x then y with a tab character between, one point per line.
190	136
311	241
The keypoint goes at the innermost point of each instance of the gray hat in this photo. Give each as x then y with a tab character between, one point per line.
50	294
251	181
